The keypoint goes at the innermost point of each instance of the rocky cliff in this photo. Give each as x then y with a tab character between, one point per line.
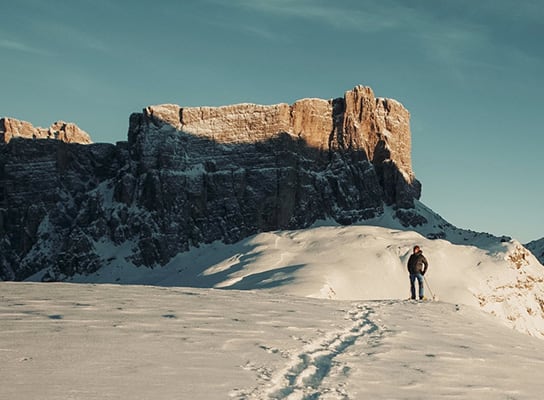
60	130
188	176
537	248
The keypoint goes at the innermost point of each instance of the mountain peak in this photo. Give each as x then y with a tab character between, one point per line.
64	131
358	122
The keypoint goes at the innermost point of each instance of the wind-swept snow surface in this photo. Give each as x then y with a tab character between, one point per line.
84	341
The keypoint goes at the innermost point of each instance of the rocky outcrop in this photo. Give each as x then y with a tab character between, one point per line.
195	175
359	125
359	122
60	130
537	248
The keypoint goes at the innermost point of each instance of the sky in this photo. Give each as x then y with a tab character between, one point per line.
470	73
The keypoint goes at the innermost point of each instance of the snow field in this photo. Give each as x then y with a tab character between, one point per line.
84	341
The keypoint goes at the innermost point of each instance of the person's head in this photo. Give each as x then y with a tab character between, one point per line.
417	249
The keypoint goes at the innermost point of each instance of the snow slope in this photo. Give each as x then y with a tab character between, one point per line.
357	263
87	341
318	313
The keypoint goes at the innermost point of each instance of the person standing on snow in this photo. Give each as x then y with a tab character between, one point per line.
417	266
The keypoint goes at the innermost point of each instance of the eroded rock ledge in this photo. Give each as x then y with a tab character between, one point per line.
64	131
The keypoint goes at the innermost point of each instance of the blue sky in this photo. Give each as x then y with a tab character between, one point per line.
470	72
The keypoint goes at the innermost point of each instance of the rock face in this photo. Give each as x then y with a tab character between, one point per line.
195	175
537	248
60	130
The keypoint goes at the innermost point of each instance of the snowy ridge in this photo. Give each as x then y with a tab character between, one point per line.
361	262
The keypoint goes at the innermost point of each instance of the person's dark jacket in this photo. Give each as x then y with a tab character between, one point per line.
417	263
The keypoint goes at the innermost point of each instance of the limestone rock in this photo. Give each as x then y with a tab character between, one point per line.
195	175
537	248
60	130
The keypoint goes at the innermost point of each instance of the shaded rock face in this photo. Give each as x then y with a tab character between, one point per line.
46	189
195	175
537	248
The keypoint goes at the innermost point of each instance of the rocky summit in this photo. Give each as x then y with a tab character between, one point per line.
64	131
194	175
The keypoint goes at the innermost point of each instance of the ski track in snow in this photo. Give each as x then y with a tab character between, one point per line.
304	376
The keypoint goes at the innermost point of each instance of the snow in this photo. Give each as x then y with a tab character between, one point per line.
351	263
318	313
87	341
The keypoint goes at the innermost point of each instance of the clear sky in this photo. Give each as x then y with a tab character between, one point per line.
470	72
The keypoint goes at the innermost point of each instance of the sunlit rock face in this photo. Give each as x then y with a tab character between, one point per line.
194	175
60	130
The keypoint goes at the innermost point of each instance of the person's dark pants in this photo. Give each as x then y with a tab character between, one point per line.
419	278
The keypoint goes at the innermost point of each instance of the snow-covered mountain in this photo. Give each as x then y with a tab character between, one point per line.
304	215
193	175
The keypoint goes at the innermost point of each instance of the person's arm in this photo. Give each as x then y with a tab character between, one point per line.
425	264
